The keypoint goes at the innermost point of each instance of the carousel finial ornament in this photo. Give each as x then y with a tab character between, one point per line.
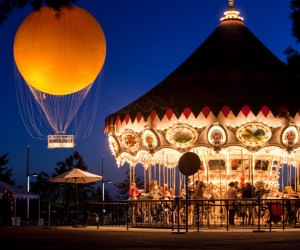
231	14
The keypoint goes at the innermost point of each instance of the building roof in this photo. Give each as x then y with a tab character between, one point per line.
17	192
230	68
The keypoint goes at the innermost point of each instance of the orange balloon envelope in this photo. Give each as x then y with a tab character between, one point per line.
59	53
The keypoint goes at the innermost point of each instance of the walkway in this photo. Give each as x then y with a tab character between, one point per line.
65	238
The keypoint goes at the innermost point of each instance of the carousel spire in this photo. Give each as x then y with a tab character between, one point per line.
231	14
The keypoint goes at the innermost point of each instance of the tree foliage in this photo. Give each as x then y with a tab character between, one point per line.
5	172
293	60
44	188
73	161
66	193
62	196
295	16
293	56
7	6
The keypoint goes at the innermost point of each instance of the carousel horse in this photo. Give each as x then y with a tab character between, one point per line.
198	190
291	205
262	210
153	193
199	207
218	196
182	206
269	204
208	209
146	207
167	205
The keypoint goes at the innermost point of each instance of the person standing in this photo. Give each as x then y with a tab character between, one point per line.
231	195
7	202
198	190
248	191
86	215
133	191
247	194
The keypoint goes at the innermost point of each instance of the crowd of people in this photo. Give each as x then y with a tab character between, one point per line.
162	192
236	193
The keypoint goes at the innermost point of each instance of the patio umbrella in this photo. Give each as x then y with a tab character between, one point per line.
76	176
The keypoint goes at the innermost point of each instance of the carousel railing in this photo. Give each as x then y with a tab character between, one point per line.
255	213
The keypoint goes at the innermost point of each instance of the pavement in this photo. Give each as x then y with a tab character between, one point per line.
91	237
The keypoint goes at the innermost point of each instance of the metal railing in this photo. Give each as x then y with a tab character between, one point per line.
256	213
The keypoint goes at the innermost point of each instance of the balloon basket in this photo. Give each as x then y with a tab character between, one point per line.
61	141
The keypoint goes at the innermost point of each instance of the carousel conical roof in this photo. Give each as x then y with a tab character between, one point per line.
231	68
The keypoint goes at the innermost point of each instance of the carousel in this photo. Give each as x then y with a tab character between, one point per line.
232	102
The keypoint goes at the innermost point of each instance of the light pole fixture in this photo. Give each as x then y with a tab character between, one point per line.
103	181
28	174
27	179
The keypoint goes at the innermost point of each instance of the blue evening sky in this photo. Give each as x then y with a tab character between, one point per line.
146	40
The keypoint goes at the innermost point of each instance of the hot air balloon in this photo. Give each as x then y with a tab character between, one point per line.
58	55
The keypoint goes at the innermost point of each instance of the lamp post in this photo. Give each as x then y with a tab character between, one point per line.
107	181
103	193
102	163
28	179
103	181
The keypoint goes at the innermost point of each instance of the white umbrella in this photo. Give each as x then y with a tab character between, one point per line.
76	176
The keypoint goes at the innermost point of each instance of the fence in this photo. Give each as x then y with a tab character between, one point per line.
196	214
256	213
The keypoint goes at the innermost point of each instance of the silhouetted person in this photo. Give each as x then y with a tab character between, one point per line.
6	207
248	192
85	217
231	196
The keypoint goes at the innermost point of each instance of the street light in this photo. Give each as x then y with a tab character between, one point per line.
107	181
28	174
103	181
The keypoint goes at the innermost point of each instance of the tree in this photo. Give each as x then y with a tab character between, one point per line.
61	196
293	56
73	161
5	172
44	188
67	192
293	60
295	16
7	6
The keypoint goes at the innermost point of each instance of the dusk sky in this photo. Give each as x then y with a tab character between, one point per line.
146	41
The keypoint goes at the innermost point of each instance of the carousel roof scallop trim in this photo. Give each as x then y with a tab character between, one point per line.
169	113
205	111
245	110
225	113
186	112
139	117
265	110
